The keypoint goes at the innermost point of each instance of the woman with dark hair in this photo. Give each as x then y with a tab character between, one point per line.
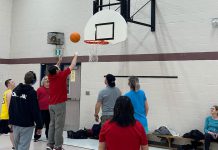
211	127
123	132
139	101
106	99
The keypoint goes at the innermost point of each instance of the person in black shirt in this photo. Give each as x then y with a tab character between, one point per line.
24	112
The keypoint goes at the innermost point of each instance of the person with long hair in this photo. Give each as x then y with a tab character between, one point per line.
123	132
139	101
211	127
106	99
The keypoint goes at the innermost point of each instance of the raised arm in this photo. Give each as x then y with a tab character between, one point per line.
59	61
73	62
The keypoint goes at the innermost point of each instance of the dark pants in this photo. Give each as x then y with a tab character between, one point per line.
208	138
104	118
45	121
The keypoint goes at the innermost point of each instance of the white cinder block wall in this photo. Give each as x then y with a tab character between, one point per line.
17	72
32	20
182	104
182	26
3	76
5	27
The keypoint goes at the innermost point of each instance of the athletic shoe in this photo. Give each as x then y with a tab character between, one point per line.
49	147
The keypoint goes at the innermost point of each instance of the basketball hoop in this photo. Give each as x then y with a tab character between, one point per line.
93	53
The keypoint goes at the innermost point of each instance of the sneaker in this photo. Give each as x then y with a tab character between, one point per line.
36	140
49	147
13	147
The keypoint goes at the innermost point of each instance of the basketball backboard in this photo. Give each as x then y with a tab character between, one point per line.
106	25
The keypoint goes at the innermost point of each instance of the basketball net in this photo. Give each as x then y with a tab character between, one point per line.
93	52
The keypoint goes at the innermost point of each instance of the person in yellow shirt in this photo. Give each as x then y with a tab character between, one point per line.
4	115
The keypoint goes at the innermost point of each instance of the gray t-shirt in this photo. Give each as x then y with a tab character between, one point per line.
108	97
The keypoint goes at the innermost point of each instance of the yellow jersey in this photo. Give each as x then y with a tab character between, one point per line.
4	111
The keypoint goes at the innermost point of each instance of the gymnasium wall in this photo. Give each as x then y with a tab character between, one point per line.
182	103
17	72
181	26
5	27
3	76
33	19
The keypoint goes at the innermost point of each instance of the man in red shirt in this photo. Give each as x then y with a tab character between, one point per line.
57	105
123	132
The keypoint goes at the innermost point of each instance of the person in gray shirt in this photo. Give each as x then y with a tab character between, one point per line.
106	99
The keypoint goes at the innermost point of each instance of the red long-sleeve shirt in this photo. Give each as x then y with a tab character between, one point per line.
58	87
43	97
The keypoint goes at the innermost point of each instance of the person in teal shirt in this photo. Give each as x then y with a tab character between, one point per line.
139	101
211	127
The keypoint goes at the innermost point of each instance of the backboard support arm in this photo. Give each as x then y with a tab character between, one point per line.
125	11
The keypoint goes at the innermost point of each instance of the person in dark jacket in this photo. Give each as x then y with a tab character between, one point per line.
24	112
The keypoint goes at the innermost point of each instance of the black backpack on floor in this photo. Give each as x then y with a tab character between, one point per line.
96	128
80	134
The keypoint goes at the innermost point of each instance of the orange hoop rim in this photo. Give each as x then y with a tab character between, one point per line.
101	42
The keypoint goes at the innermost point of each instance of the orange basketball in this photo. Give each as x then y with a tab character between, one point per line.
75	37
